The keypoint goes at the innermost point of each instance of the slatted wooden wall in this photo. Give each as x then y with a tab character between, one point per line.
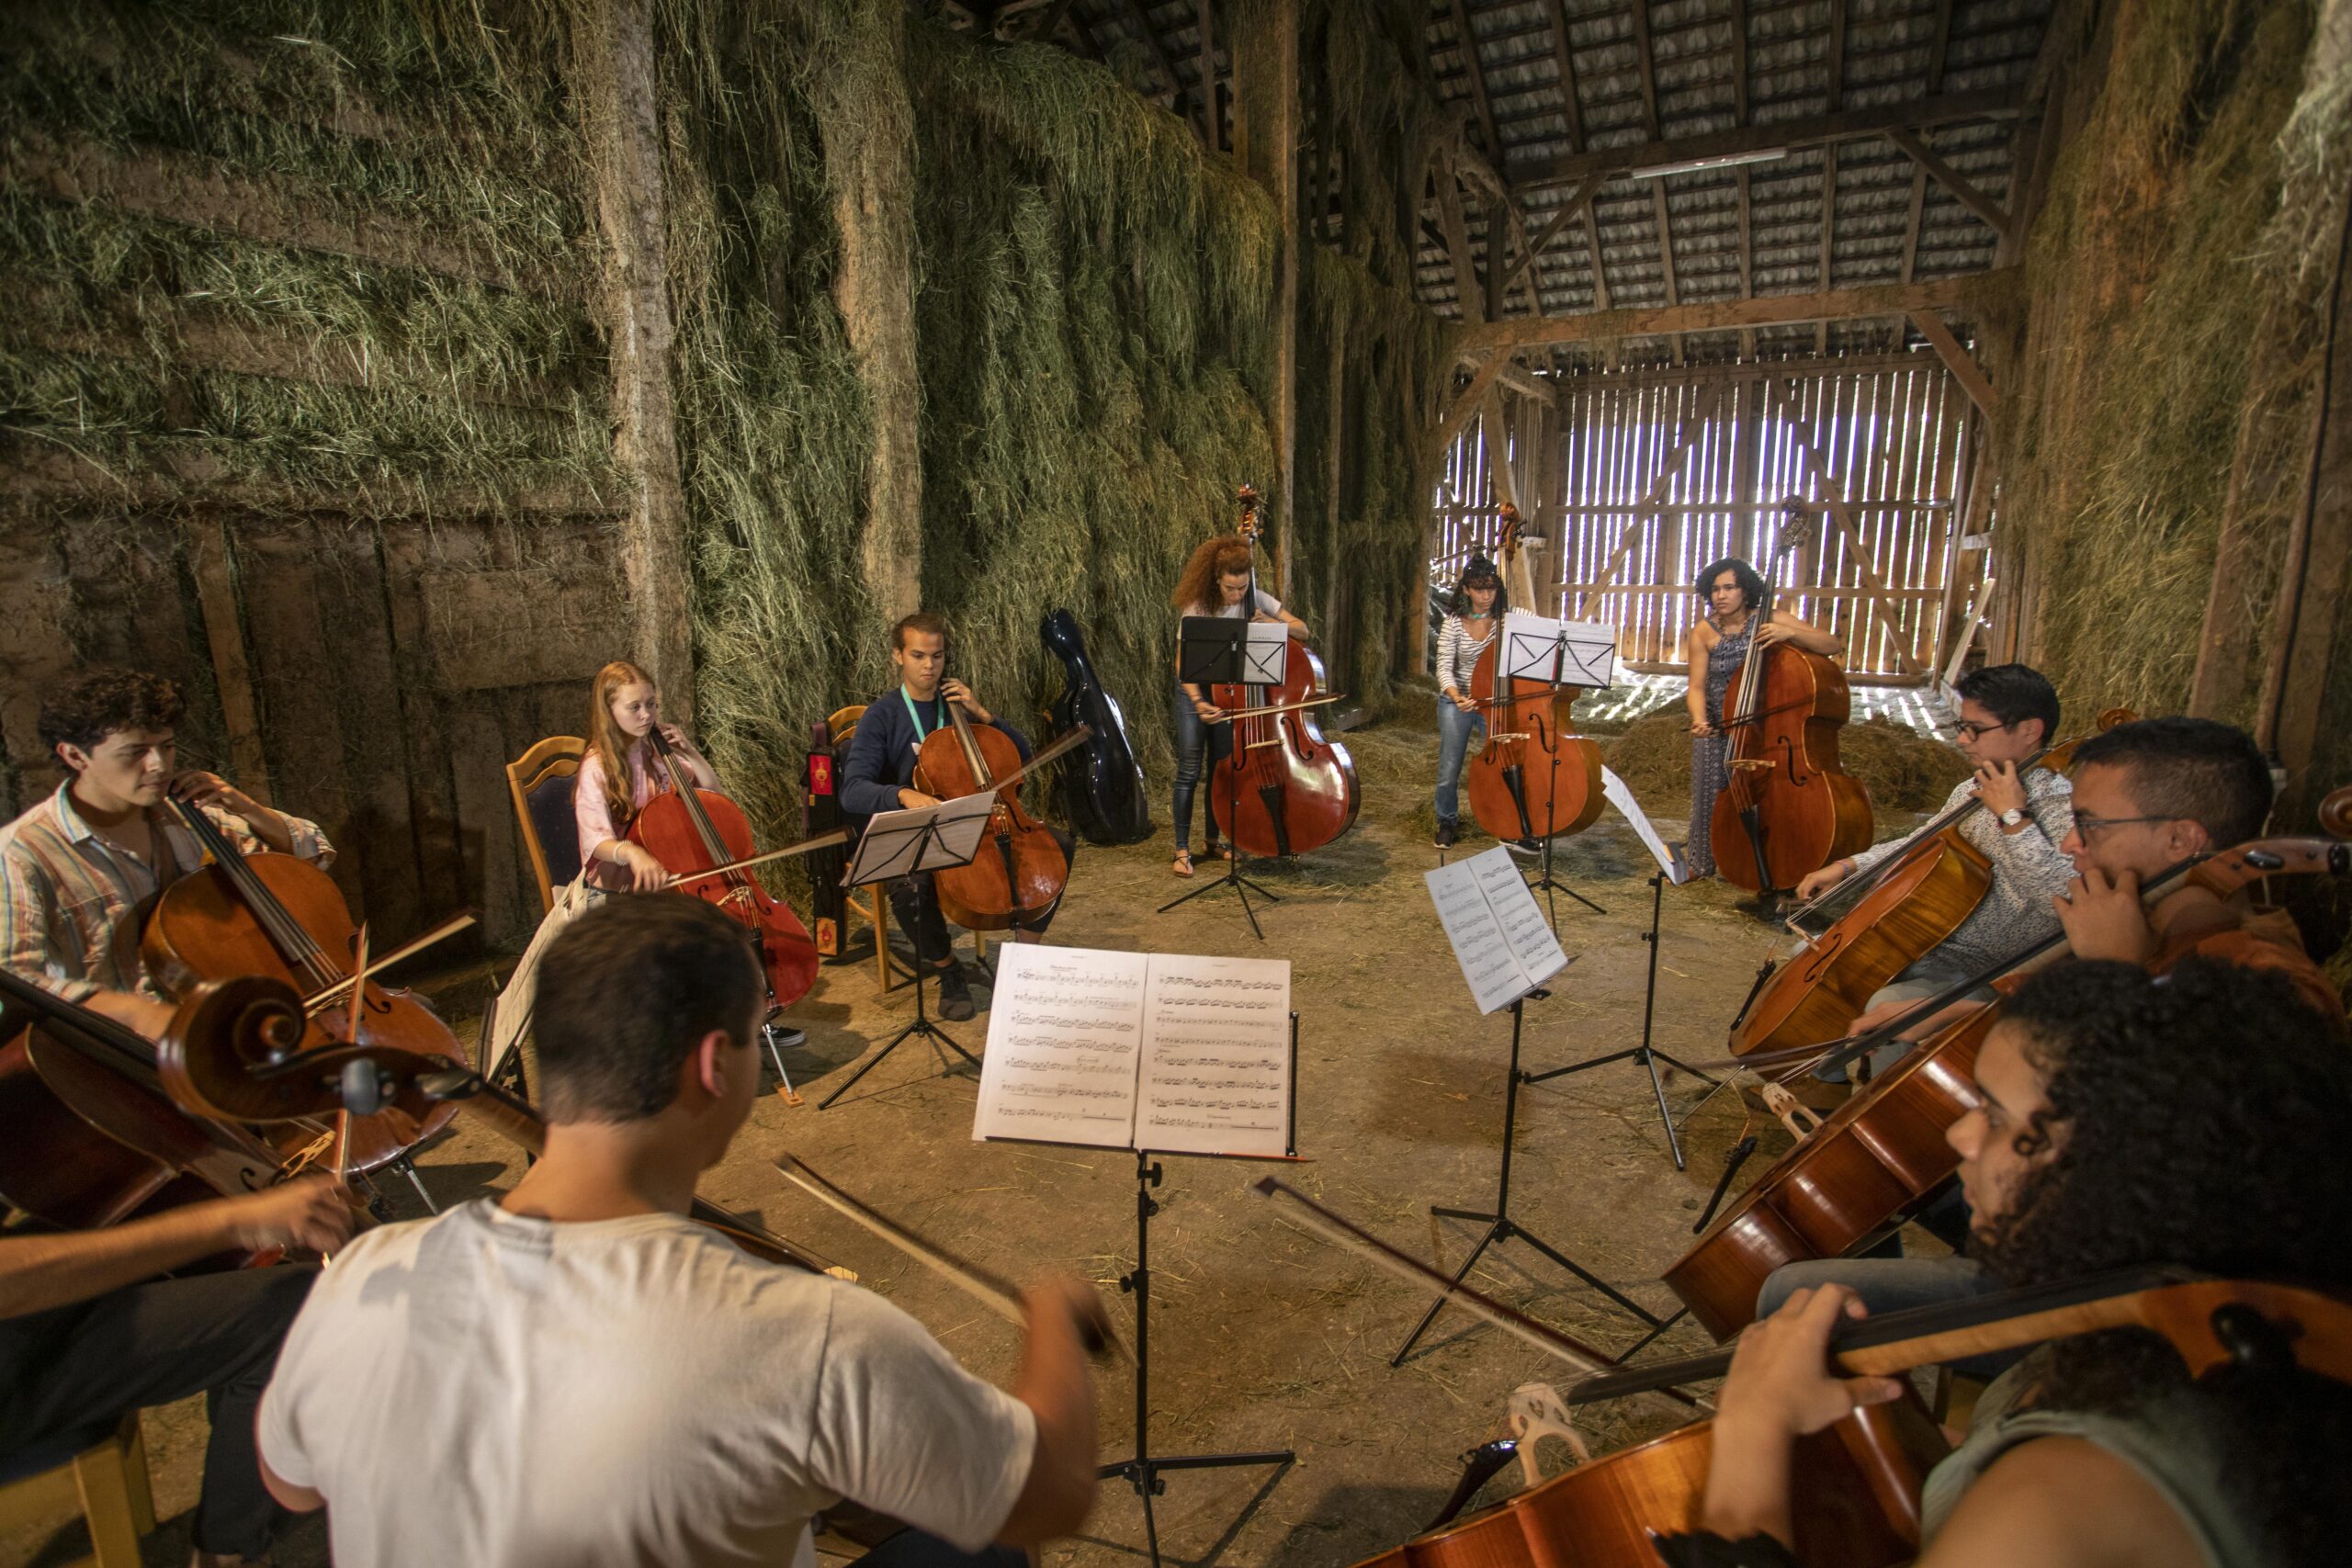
1662	473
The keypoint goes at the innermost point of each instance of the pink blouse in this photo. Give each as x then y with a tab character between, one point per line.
648	776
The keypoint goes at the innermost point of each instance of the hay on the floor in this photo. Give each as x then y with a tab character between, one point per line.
1903	770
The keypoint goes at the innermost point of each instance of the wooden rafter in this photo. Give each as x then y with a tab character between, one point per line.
1468	41
1828	234
1952	180
1469	297
1739	62
1766	310
1565	214
1516	377
1592	249
1939	52
1911	227
1958	361
1641	9
1836	54
1564	62
1747	259
1835	502
1666	253
1692	427
1814	130
1472	399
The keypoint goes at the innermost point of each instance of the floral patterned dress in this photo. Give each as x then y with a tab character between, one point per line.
1708	774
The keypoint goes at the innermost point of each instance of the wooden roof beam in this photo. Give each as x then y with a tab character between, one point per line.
1837	55
1813	130
1564	62
1516	377
1969	293
1468	43
1649	66
1952	180
1956	360
1565	214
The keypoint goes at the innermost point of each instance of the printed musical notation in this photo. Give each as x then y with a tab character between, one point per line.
1497	930
1126	1049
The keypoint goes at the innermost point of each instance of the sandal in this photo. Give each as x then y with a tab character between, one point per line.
1182	864
1217	852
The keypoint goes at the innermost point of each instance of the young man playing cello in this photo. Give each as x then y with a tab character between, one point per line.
2007	713
880	776
78	866
580	1375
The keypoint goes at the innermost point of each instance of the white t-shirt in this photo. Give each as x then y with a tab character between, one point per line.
504	1392
1267	603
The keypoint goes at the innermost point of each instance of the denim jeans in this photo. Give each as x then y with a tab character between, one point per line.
1926	977
1455	729
1198	745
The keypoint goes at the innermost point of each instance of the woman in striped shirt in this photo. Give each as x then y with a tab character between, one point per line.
1477	609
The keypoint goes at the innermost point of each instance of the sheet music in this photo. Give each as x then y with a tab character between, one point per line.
1498	936
1065	1036
891	840
1266	654
1215	1056
1573	653
1127	1050
1524	930
1669	861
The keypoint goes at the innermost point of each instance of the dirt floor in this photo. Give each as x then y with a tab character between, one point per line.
1264	1337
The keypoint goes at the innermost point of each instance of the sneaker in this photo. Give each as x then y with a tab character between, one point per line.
1446	834
1530	848
955	994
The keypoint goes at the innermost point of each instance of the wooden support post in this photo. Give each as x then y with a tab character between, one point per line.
870	153
212	562
1956	360
617	82
1263	47
1952	180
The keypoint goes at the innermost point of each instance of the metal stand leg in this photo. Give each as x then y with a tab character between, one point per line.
922	1026
407	1167
1232	877
1547	885
769	1032
1500	1226
1648	1055
1142	1472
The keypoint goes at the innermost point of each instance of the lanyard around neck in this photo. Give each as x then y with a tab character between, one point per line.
920	733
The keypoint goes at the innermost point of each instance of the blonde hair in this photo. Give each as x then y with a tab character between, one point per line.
607	742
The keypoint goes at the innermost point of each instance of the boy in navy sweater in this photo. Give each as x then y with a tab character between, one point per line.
880	776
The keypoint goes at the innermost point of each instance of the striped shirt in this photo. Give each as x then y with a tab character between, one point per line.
1457	656
70	919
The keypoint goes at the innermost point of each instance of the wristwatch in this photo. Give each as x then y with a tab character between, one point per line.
2012	819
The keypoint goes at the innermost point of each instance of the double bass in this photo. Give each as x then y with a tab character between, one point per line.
1901	908
1019	874
1103	786
1788	808
1534	778
690	829
1882	1152
280	914
1281	789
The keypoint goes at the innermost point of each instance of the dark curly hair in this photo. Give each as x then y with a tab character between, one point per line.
1481	571
94	705
1751	582
2195	1118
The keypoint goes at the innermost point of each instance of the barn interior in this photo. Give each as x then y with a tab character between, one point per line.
381	368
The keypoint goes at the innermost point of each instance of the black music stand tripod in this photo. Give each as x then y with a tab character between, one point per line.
1142	1472
898	846
1647	1054
1545	883
1212	651
1500	1226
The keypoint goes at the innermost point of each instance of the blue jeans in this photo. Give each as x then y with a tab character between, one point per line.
1894	1284
1454	728
1198	745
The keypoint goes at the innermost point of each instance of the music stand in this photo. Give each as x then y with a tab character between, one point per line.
900	846
1212	650
1543	651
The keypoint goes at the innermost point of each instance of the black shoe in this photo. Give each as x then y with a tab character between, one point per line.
1528	847
1446	834
955	994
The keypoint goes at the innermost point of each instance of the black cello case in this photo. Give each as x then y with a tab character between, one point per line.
1101	783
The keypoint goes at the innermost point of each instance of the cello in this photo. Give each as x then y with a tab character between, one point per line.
1019	874
230	1053
1882	1152
280	914
93	1140
1788	808
690	829
1534	778
1102	789
1281	789
1907	904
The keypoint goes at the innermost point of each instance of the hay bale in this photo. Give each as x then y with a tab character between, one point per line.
1903	770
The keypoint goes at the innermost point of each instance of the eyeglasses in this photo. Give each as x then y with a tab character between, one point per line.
1968	730
2088	826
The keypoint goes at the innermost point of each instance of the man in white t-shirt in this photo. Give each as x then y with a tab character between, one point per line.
579	1374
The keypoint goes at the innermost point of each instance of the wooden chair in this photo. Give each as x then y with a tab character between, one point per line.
539	782
870	904
102	1472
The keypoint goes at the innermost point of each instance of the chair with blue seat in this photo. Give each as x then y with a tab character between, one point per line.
540	783
100	1471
